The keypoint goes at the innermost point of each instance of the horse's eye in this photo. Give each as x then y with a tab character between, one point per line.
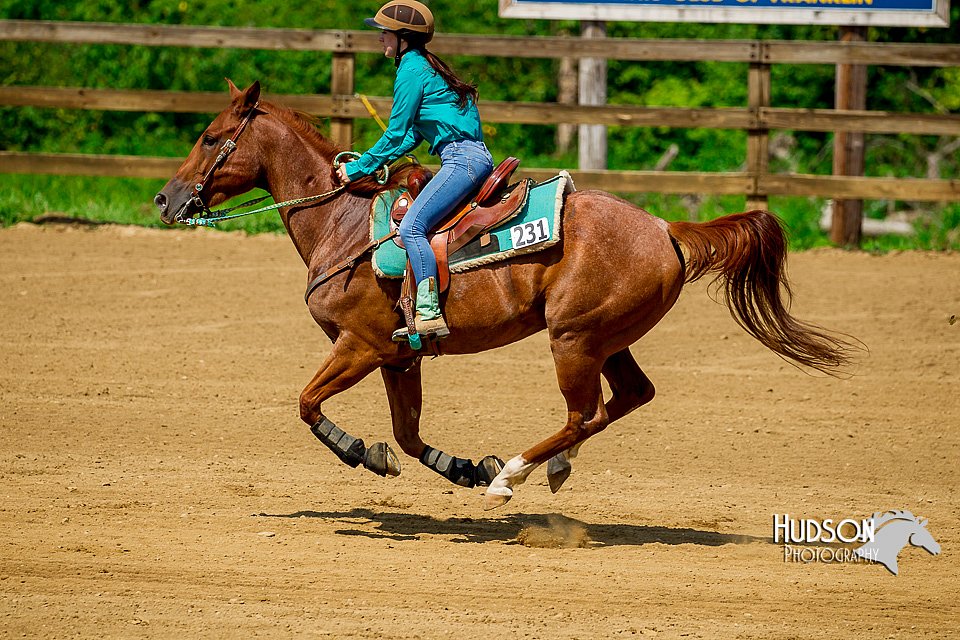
209	140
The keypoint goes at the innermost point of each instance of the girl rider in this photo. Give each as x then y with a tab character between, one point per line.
429	103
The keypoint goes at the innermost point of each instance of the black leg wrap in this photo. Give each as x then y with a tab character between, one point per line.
459	471
456	470
349	449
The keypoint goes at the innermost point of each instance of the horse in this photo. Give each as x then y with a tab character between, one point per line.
892	531
615	273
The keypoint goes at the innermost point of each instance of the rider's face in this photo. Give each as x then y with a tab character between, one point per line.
389	41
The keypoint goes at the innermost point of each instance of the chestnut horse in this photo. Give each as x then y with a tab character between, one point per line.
613	276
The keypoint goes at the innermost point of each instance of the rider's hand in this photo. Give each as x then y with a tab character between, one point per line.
342	173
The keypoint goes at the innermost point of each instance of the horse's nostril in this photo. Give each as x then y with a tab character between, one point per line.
161	201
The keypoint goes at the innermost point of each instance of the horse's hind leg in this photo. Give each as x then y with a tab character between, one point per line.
630	385
579	378
405	393
631	389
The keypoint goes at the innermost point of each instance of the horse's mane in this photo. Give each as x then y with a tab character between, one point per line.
306	125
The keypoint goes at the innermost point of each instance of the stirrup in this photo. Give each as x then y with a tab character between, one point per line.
432	328
401	335
425	328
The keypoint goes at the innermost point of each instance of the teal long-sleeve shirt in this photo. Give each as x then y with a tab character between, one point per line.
424	108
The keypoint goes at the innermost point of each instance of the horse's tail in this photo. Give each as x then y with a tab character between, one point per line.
748	253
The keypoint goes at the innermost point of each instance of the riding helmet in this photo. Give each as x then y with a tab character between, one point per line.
404	16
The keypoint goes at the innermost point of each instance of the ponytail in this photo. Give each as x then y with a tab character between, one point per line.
466	92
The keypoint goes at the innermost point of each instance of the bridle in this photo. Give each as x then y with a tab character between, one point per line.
208	218
229	146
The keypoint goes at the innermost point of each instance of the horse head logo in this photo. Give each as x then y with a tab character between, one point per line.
892	531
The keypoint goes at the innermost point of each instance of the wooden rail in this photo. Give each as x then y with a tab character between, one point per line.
769	52
153	167
730	183
757	118
348	106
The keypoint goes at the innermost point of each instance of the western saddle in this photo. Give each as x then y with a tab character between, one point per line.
494	204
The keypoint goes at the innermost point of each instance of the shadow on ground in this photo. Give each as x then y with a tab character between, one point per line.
407	526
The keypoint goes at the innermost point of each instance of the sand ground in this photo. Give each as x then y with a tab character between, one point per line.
155	480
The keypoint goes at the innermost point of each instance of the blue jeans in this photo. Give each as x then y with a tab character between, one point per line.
464	166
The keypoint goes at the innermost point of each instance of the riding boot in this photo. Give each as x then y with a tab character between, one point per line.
429	321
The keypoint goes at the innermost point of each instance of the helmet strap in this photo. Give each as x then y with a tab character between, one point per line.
412	44
400	50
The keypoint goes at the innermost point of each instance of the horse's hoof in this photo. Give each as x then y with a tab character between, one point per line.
393	463
494	500
556	477
487	470
381	459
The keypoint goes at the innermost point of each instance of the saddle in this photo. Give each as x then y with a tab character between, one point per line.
493	204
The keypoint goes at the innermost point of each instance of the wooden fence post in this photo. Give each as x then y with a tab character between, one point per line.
341	84
593	91
848	156
566	94
758	137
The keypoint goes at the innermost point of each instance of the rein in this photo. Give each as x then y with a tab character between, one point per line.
211	218
208	218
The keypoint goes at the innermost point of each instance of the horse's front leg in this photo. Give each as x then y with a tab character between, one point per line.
346	365
405	393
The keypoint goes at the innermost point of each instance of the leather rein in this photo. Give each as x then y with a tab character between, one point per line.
209	218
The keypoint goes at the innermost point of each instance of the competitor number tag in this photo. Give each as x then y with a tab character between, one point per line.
528	233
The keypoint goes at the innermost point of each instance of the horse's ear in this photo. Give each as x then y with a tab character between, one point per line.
234	92
923	522
246	100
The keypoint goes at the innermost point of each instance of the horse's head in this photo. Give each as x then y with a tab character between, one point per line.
921	537
207	177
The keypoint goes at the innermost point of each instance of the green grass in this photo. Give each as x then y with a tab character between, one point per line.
126	201
130	201
116	200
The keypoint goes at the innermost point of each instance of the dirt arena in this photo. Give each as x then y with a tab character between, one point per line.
155	479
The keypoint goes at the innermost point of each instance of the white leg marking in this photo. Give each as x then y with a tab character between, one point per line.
559	467
559	463
514	473
500	490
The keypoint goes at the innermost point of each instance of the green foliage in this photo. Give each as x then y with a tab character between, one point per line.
704	84
24	197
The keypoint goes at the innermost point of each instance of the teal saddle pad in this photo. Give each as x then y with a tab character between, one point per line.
535	228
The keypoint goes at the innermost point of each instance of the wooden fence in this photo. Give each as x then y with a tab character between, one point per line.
757	118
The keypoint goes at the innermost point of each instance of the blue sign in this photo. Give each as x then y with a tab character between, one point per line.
901	13
875	5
